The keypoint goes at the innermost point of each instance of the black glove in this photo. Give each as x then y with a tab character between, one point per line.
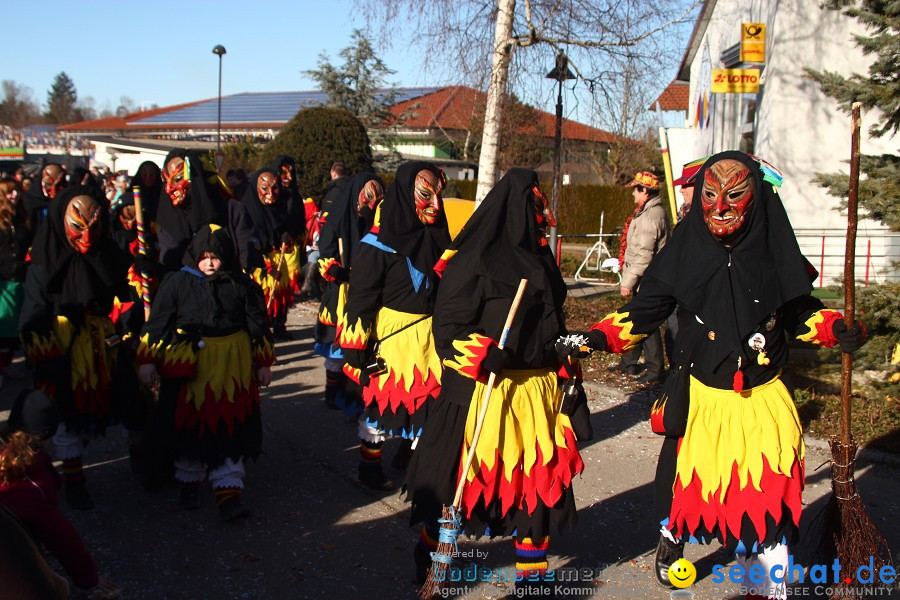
849	339
286	240
338	273
496	359
592	340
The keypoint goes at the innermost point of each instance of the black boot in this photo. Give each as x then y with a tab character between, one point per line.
667	552
77	495
188	497
540	589
232	509
375	478
403	456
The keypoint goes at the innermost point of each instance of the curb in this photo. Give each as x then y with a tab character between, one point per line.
862	454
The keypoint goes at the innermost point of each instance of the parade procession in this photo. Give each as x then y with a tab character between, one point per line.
326	344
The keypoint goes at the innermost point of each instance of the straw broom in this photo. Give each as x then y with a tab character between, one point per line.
850	534
451	518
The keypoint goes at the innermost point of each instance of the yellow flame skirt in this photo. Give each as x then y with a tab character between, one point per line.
526	452
524	463
215	408
394	400
277	285
293	263
739	469
82	389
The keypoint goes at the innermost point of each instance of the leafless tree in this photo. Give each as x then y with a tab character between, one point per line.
480	43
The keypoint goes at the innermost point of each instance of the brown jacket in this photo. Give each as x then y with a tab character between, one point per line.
647	234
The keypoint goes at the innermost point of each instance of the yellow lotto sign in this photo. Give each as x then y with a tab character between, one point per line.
753	42
735	81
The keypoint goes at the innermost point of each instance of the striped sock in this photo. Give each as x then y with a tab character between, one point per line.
370	454
427	540
72	470
331	386
224	493
531	556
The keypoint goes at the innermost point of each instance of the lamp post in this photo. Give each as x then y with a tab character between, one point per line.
219	50
560	73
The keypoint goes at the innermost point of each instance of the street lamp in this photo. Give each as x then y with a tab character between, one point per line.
560	73
219	51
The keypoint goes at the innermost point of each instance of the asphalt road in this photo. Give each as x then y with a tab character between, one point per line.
315	532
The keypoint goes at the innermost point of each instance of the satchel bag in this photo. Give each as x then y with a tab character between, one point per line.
669	413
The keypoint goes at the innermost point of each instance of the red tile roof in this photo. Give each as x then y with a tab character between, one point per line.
113	123
674	97
453	107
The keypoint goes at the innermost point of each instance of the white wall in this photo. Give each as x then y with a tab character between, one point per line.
798	129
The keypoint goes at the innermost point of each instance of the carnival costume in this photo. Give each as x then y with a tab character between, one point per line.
525	459
192	198
348	222
76	270
292	205
267	264
392	292
207	335
735	471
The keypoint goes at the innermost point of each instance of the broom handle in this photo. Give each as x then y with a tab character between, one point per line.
470	456
849	275
341	251
142	249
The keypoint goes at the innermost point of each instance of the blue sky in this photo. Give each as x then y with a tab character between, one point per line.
161	51
127	48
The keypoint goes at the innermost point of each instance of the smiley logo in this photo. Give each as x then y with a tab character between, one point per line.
682	573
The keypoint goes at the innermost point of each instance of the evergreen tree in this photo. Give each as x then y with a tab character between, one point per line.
316	138
879	192
360	85
62	100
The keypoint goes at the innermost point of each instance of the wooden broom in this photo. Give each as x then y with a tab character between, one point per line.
451	519
855	537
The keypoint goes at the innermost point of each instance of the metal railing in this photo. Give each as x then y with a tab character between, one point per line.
876	254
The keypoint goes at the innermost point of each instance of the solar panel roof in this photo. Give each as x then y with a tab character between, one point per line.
257	107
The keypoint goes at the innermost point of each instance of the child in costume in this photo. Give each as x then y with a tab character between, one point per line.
520	483
731	468
208	343
392	292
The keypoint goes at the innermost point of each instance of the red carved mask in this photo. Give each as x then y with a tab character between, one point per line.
427	195
287	176
82	223
52	180
178	187
542	214
369	197
267	188
727	197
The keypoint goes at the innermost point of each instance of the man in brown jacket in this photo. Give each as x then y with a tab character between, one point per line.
645	234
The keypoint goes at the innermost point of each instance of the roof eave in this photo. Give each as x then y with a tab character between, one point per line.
684	70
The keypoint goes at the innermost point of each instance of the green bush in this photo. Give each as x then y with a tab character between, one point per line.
316	138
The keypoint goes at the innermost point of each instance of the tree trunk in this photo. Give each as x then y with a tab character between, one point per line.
490	140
